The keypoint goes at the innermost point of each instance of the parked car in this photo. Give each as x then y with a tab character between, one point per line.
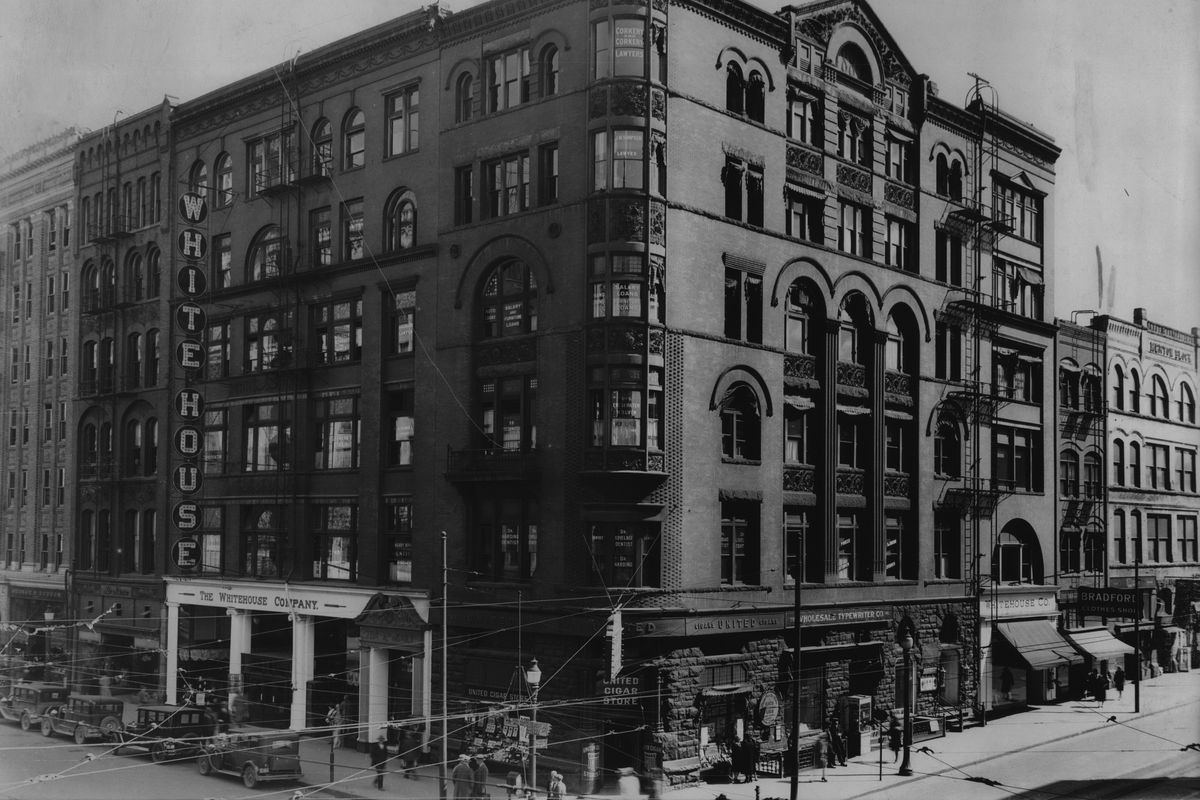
166	731
27	702
84	716
256	754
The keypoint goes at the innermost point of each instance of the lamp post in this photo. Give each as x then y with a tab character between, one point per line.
906	644
48	617
533	677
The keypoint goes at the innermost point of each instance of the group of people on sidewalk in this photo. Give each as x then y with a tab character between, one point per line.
1098	683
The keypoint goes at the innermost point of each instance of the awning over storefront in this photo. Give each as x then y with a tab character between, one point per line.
726	690
1040	644
1099	644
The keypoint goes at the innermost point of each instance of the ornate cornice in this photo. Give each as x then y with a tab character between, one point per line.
819	27
762	26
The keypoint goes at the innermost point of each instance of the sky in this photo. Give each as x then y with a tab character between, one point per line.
1116	83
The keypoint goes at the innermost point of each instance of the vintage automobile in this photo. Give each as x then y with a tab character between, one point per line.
28	701
256	754
84	716
166	731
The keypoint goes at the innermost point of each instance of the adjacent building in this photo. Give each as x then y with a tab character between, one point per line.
37	216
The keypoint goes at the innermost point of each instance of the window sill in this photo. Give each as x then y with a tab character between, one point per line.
747	462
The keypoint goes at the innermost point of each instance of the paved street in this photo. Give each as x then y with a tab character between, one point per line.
1071	750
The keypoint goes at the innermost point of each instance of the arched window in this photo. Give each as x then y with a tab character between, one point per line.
1092	480
855	330
1068	474
322	153
91	287
1135	464
947	448
133	361
1068	384
224	172
549	64
198	178
1135	392
1011	563
152	357
1118	388
134	447
464	97
954	184
1118	470
740	423
135	274
735	89
106	445
1090	386
89	450
90	364
108	284
400	222
803	314
153	273
850	60
354	140
509	301
901	350
942	170
263	259
1120	543
1159	405
1186	405
756	97
150	456
108	363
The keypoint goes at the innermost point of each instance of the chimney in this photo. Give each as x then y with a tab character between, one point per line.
1139	317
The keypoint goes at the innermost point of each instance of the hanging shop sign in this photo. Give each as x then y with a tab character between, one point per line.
186	553
190	318
187	441
193	208
191	280
187	478
1105	602
186	516
622	691
189	404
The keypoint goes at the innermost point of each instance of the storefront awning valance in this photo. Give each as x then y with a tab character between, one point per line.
726	690
1040	644
1099	644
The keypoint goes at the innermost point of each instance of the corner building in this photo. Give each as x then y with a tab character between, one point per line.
649	341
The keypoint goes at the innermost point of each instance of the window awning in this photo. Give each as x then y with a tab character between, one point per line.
1040	644
1099	644
853	411
726	690
799	403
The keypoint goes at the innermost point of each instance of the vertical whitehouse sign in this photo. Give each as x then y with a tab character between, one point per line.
192	281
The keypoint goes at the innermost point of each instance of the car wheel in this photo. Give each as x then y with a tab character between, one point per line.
250	776
26	721
110	725
47	726
80	734
158	752
204	764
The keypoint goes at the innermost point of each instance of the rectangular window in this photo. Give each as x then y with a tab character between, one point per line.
795	437
895	446
853	236
1016	458
654	409
508	80
268	342
548	174
320	232
1158	531
62	487
66	293
337	330
216	364
49	358
464	195
47	422
628	159
269	161
619	48
1188	540
401	427
268	434
948	258
795	542
854	139
352	230
509	416
947	561
1185	470
50	294
806	217
338	428
847	566
900	548
805	120
739	543
222	261
899	159
1019	209
403	118
507	189
1159	468
403	320
62	420
1017	289
398	539
743	306
216	434
898	249
624	553
209	534
335	531
850	440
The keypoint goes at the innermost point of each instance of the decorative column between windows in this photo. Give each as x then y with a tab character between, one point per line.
878	455
827	492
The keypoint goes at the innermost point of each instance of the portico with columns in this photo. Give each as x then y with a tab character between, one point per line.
403	617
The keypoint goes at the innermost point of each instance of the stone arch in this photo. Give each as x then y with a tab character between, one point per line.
503	246
740	373
904	296
850	33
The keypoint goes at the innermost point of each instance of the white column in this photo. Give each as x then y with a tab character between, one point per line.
302	668
364	695
172	652
377	691
239	644
427	680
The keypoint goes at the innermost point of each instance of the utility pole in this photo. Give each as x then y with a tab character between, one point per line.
794	749
445	715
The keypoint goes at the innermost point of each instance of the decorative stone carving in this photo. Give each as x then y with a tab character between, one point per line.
850	481
629	100
799	365
895	485
801	478
634	462
854	178
627	339
897	383
658	222
656	462
628	221
900	195
657	341
854	375
820	27
658	104
804	159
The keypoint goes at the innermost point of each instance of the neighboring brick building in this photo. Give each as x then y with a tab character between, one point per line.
37	216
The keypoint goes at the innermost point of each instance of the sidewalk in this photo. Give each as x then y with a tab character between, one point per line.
353	774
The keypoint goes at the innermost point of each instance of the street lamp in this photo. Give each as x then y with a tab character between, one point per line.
906	645
48	617
533	677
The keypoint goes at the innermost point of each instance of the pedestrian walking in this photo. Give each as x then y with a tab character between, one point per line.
750	753
737	761
895	732
1006	683
557	790
410	746
822	753
629	785
479	778
1119	682
333	721
462	778
1101	690
379	759
837	745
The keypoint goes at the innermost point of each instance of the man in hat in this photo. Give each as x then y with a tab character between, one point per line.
557	790
379	758
462	778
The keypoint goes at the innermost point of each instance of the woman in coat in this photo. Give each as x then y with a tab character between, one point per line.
895	732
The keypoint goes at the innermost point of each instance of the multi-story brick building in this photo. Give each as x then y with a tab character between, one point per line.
121	405
37	216
652	351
